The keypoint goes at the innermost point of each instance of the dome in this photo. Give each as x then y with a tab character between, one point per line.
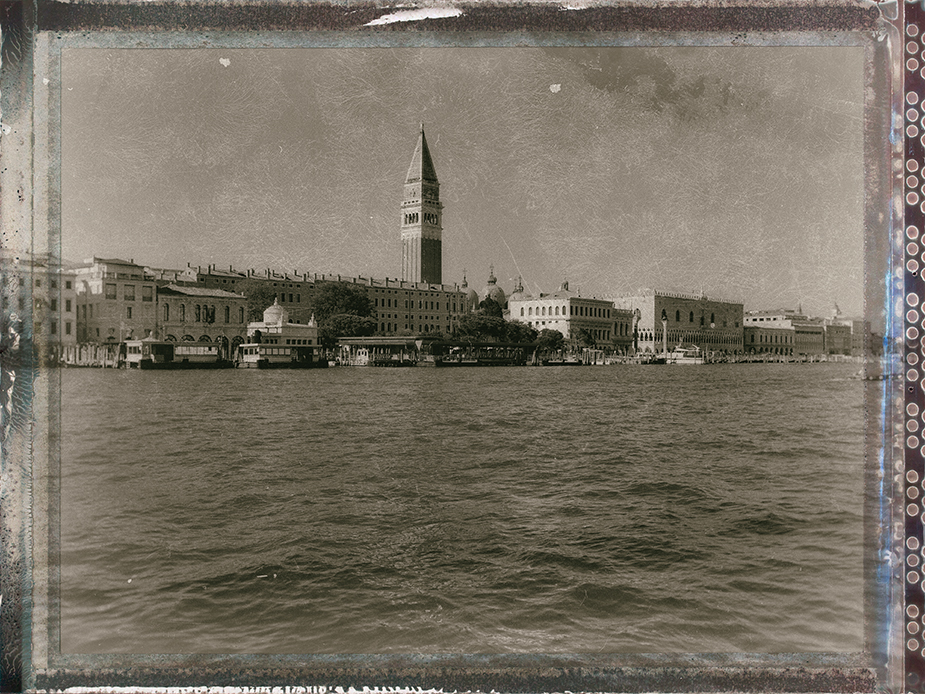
472	298
518	294
276	314
493	291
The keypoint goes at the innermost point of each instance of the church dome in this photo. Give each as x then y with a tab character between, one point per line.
518	294
493	291
472	298
276	314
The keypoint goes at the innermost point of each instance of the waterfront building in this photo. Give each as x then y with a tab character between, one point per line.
769	332
40	290
200	314
279	342
837	337
808	333
862	340
714	325
568	312
422	219
115	301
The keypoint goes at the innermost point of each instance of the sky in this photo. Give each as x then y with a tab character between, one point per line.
729	170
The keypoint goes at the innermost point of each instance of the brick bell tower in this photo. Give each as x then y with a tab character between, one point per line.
422	220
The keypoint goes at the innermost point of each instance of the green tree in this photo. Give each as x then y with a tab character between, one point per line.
260	296
515	331
550	340
340	298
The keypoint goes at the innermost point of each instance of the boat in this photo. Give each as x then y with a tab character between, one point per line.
685	355
166	354
257	355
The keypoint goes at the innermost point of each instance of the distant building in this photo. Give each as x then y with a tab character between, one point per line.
568	312
714	325
769	332
837	337
808	333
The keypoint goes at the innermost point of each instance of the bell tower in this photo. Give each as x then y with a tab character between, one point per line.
422	220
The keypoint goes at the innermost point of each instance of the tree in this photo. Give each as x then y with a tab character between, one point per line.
260	296
340	298
550	340
515	331
482	327
584	338
344	325
490	307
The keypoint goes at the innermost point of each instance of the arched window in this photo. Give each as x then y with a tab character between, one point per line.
240	314
692	317
712	318
521	310
530	311
228	314
198	313
182	313
557	310
677	316
166	312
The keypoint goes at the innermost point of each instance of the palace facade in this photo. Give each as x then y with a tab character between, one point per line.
714	325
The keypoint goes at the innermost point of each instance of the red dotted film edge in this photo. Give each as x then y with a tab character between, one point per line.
912	238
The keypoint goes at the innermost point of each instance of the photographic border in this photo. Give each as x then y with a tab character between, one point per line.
34	34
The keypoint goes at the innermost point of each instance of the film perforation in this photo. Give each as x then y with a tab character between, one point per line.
910	184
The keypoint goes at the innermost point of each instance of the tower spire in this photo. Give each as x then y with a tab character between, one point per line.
422	219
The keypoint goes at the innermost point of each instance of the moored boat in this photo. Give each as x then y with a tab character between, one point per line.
166	354
690	354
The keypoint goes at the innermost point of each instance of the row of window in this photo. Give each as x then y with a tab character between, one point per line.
128	292
422	305
201	313
690	319
54	283
421	327
586	311
52	305
786	339
52	328
691	336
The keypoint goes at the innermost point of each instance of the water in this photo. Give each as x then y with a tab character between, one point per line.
594	509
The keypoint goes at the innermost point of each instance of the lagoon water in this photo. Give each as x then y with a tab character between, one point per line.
495	510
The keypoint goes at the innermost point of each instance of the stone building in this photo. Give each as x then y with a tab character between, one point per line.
568	312
200	314
769	332
714	325
40	291
419	303
808	333
837	337
115	301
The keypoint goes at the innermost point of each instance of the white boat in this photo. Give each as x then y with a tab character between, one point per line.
690	354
